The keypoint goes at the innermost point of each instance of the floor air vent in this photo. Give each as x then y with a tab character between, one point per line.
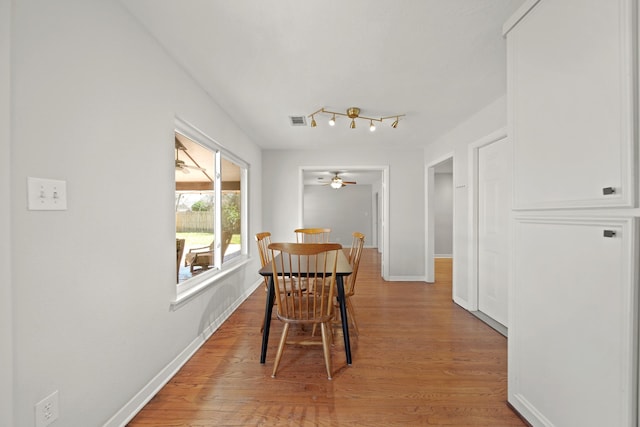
298	120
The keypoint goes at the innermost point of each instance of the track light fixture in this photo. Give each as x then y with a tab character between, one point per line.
354	113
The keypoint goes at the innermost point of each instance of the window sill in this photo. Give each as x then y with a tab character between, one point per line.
207	280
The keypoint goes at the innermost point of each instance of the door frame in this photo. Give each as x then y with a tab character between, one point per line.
474	212
430	243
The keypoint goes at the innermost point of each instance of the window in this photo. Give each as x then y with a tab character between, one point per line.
210	208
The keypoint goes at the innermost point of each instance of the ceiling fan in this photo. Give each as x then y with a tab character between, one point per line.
338	182
180	164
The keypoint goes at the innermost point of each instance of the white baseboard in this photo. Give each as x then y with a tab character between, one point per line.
406	279
131	408
463	303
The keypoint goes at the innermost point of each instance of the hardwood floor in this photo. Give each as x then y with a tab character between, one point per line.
419	360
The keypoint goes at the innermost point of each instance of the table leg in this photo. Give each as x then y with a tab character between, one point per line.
267	319
345	321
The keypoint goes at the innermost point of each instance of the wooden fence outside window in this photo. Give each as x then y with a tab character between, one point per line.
188	221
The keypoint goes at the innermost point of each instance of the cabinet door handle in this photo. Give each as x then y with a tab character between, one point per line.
608	190
609	233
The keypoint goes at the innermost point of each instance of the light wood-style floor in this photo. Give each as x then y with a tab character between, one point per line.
419	360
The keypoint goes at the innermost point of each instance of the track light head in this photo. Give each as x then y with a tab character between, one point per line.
395	123
313	122
353	124
372	127
332	121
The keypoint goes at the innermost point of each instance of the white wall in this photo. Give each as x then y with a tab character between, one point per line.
406	195
94	101
481	124
6	323
443	218
345	210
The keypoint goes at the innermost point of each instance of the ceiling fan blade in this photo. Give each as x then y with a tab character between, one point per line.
349	182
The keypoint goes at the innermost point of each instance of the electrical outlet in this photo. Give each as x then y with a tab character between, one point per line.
47	410
46	194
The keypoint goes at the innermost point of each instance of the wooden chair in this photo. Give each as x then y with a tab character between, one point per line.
355	252
312	235
264	240
179	253
297	301
199	259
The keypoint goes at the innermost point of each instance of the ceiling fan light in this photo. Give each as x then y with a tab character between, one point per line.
372	127
332	120
353	124
336	182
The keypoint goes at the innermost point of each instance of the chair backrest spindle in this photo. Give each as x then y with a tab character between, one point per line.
355	252
304	292
263	241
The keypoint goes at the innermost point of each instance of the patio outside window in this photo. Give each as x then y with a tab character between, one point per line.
208	208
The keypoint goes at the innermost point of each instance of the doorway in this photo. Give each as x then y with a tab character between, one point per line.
365	194
440	208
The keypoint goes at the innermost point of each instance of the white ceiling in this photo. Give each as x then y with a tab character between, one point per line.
438	61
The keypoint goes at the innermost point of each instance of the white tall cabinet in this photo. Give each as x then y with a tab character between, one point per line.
573	299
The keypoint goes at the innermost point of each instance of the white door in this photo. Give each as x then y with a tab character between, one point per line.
494	207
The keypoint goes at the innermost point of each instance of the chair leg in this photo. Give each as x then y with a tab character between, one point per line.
325	328
283	340
352	315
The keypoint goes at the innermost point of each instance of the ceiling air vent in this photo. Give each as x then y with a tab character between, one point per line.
298	120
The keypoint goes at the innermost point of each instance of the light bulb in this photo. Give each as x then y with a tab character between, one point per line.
332	120
372	127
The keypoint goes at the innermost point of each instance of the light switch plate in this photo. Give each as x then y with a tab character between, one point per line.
46	194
